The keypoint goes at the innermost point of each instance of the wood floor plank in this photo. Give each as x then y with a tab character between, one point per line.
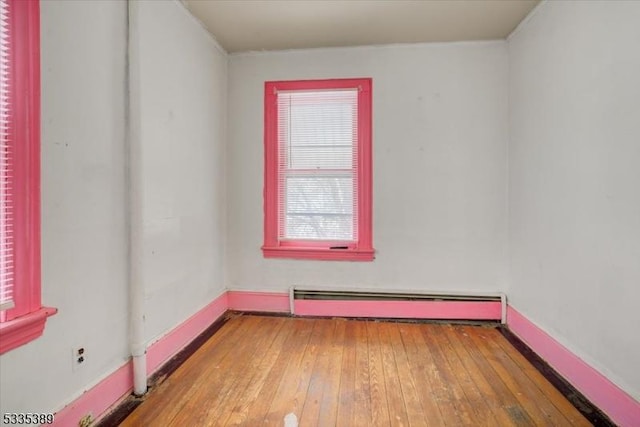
552	393
257	369
310	413
456	374
397	408
346	405
496	395
362	392
287	360
260	361
331	392
416	415
235	409
228	374
447	388
522	409
538	409
164	404
525	382
377	383
436	409
292	391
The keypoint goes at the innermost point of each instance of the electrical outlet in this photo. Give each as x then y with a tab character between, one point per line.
79	357
85	421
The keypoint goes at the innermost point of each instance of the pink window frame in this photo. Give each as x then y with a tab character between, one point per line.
362	249
26	320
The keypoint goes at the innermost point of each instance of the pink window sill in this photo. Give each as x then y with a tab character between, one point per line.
319	253
23	329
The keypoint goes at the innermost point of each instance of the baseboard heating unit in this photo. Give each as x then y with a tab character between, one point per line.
398	305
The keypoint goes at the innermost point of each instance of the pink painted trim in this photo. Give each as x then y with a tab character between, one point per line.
270	166
362	249
101	398
24	329
24	80
616	403
259	301
318	253
167	346
468	310
365	167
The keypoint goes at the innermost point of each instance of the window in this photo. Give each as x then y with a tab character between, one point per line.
22	317
318	170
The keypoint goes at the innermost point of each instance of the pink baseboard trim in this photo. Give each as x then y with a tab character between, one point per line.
97	400
24	329
103	396
259	301
468	310
613	401
167	346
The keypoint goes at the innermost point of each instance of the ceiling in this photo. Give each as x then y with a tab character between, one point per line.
255	25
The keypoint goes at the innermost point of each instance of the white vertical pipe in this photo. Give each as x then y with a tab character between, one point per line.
291	302
503	307
135	199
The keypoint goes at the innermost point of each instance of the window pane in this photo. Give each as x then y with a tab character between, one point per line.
318	130
319	207
6	167
317	193
321	157
319	227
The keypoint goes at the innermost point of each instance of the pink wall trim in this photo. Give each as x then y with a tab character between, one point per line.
98	399
24	139
617	404
258	301
297	252
24	329
167	346
401	309
103	396
362	248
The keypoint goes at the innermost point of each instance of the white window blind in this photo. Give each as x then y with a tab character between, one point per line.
317	165
6	166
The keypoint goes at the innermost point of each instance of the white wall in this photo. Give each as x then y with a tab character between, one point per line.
440	121
574	220
440	156
83	211
183	115
84	217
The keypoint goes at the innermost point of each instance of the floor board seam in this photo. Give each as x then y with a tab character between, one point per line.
528	382
577	399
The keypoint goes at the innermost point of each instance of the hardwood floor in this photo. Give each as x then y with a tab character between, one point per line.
255	370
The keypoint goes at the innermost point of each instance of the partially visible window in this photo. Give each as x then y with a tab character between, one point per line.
22	317
6	167
318	169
